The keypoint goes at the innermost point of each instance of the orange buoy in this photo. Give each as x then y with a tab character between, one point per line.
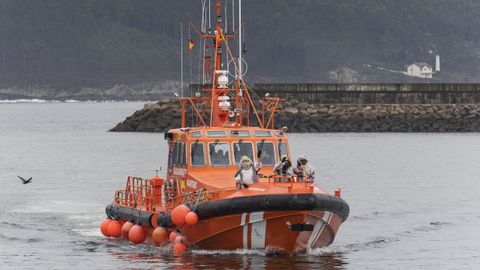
191	218
115	228
179	249
126	229
137	234
178	215
173	237
104	227
160	236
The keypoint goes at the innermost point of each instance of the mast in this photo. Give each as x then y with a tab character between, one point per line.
217	114
214	108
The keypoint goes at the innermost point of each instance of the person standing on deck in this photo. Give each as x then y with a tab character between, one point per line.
284	167
304	171
247	173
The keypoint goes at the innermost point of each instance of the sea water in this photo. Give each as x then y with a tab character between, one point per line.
414	198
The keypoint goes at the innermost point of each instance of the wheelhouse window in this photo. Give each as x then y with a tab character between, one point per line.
282	149
176	153
266	152
183	158
196	134
240	133
216	134
241	149
197	154
262	133
179	154
219	154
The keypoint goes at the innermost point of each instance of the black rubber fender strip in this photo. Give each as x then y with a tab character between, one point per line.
133	215
164	220
275	202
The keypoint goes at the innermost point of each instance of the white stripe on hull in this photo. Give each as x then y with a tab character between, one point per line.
315	233
319	227
259	227
245	230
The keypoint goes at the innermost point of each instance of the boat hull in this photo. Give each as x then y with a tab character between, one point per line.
283	222
289	231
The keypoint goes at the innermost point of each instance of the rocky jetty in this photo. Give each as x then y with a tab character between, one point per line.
303	117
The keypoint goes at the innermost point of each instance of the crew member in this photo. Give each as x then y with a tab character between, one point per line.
247	173
284	167
304	171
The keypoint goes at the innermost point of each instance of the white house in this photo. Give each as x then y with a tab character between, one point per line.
421	70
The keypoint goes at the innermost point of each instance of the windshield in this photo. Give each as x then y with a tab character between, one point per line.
241	149
219	154
197	154
266	153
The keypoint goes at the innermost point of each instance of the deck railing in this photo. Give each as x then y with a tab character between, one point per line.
138	194
281	180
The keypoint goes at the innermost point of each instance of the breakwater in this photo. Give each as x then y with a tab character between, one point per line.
374	93
348	108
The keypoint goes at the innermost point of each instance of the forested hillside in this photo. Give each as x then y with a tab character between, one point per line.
105	42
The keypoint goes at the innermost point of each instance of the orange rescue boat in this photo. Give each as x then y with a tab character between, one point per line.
198	204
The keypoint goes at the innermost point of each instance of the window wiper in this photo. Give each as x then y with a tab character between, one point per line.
194	150
279	148
260	148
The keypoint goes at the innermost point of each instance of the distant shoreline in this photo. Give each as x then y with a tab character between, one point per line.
147	91
72	101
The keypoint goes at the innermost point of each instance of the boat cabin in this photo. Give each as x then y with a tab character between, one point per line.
209	157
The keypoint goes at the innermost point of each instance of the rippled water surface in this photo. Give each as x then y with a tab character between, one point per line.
414	198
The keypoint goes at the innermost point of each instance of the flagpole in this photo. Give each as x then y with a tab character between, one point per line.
190	59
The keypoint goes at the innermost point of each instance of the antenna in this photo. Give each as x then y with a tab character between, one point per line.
240	50
215	107
181	59
209	17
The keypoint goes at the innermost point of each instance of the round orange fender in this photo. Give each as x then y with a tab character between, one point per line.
115	228
126	229
179	249
191	218
104	227
178	215
160	236
137	234
173	237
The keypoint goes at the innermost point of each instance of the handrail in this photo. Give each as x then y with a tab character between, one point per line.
191	198
282	179
138	193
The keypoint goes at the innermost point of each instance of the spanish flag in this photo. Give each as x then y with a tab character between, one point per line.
191	45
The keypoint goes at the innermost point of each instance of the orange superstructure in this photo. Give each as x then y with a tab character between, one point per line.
198	203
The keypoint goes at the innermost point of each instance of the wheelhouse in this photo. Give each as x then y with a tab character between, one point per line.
196	153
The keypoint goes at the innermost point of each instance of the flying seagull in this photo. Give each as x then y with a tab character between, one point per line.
24	180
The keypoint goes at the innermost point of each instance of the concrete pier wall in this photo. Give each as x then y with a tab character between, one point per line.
374	93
